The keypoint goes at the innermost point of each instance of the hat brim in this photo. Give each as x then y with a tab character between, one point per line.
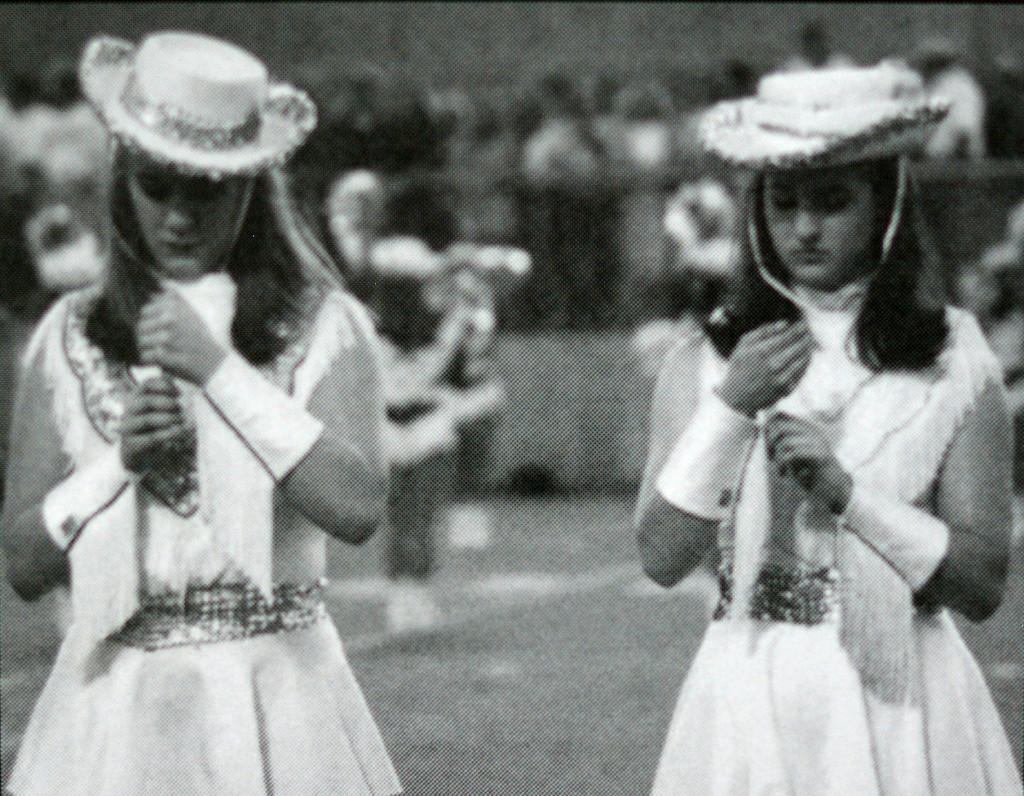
731	132
287	118
715	258
417	262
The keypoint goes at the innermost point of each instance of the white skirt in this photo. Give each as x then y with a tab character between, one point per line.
776	709
277	714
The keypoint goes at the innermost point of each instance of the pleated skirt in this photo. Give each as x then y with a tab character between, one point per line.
777	709
274	715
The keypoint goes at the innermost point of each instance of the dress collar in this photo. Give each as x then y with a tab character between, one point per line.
213	297
847	299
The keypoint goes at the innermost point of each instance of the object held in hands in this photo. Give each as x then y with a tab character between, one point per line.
802	451
154	434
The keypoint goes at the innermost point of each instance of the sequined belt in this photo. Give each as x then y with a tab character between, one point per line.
784	594
210	614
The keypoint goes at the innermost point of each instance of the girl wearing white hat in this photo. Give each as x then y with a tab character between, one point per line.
185	438
850	454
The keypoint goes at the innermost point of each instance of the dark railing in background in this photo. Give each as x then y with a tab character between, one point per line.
598	245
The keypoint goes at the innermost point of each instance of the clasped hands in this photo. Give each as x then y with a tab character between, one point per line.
171	336
766	365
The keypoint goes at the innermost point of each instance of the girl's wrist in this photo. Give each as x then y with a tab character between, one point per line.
210	364
729	399
840	490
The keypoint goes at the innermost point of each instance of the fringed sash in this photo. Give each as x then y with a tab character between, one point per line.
890	431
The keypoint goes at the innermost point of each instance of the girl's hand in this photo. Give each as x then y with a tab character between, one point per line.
801	452
153	427
766	365
172	336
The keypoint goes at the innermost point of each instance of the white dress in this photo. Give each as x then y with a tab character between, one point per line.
279	713
777	708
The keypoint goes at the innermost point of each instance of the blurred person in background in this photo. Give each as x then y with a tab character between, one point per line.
486	211
565	144
850	454
185	438
1004	120
567	215
57	156
646	135
815	50
962	134
437	320
421	433
608	123
465	295
356	216
700	222
994	290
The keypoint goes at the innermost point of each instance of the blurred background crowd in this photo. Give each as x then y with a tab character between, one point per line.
574	168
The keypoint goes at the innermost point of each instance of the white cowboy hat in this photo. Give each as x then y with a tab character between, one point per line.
823	117
198	104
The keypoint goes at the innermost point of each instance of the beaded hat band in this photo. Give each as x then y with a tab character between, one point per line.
164	120
824	118
195	103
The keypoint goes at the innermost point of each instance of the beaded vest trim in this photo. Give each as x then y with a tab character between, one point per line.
784	594
213	614
105	386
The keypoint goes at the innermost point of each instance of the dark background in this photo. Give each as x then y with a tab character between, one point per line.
503	43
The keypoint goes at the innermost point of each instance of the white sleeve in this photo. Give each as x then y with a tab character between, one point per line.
910	539
82	496
276	427
702	472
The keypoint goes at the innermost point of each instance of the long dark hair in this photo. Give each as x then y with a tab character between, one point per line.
898	327
274	261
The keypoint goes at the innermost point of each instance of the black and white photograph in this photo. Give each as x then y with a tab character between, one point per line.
511	399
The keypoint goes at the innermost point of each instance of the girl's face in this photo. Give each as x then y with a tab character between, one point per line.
821	223
189	224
